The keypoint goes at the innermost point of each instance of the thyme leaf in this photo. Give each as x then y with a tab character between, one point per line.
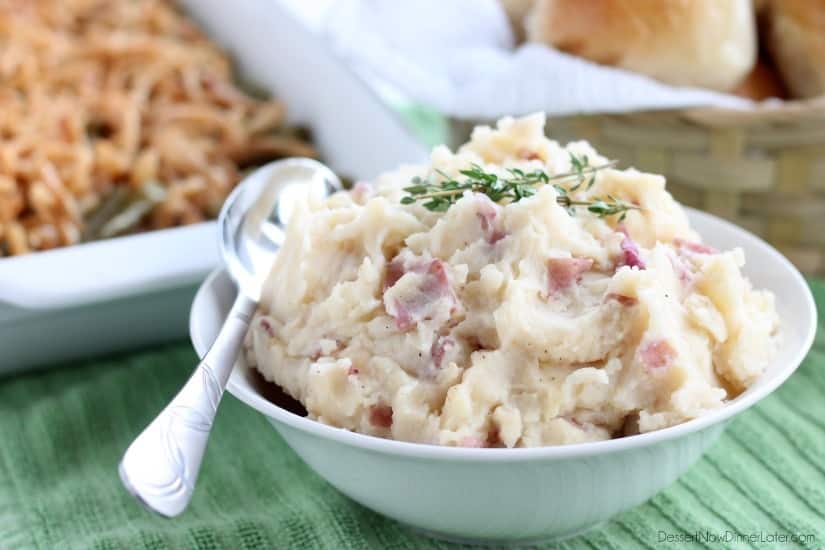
438	196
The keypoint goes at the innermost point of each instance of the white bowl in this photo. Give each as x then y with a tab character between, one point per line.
519	495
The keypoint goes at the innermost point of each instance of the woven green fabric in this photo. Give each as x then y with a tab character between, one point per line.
63	432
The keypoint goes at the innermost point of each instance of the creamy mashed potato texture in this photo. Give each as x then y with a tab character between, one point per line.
515	324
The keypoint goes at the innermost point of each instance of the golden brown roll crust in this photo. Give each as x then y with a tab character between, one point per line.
761	83
703	43
794	34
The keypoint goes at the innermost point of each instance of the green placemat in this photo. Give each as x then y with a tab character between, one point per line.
63	431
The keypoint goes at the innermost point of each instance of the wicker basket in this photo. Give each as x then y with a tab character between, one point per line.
763	169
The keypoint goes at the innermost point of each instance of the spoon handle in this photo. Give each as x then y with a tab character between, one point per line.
161	466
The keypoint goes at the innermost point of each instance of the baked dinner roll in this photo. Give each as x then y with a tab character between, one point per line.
794	34
702	43
761	83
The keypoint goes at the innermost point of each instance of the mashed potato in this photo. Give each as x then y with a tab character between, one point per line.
507	325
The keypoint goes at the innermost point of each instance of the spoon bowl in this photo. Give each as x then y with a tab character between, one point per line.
254	216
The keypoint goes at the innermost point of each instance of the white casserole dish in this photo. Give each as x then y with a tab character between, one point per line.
130	291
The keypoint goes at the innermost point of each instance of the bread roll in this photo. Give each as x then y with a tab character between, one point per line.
702	43
794	34
761	83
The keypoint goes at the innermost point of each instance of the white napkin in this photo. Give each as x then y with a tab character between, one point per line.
457	56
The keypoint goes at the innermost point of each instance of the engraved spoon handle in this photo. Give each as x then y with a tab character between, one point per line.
161	466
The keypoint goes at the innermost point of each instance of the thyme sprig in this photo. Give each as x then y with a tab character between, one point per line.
516	185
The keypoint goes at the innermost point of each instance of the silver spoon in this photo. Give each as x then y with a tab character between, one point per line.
161	466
